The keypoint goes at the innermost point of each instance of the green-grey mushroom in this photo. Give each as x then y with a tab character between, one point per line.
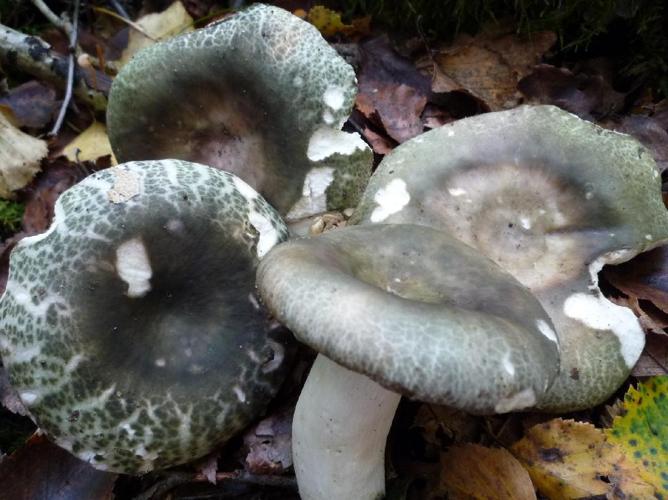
398	309
260	94
551	199
130	329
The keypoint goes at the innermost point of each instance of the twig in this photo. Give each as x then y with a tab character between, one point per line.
61	23
34	56
119	8
133	25
70	70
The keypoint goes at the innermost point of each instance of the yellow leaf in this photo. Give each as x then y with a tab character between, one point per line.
159	26
327	21
642	431
473	471
568	459
89	145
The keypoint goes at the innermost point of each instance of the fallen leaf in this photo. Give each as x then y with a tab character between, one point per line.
33	104
208	467
487	66
568	459
42	195
269	444
89	145
642	431
329	22
442	425
392	92
474	471
654	358
159	26
41	469
582	94
648	131
379	143
20	157
644	277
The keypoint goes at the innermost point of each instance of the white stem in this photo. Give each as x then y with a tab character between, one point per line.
338	434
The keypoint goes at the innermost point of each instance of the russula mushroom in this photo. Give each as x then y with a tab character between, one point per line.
130	329
551	199
398	309
259	94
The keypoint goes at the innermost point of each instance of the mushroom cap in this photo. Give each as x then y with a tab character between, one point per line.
130	329
418	312
551	199
260	94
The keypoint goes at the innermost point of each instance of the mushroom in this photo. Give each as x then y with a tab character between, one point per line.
259	94
551	199
130	329
398	309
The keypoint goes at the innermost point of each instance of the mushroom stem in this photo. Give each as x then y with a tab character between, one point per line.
338	434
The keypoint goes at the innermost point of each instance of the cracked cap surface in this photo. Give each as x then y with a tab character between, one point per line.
417	311
130	329
260	94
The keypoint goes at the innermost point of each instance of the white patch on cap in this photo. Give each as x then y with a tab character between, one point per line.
451	133
334	98
241	395
27	354
598	313
519	401
546	330
508	365
160	362
268	233
134	267
456	191
525	222
390	199
327	141
29	397
314	197
246	191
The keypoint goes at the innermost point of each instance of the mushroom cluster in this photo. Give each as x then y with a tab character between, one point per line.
470	280
130	329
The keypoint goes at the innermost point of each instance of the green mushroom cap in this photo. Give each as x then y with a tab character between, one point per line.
417	311
551	199
259	94
130	329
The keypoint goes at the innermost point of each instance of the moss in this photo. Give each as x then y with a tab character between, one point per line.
11	214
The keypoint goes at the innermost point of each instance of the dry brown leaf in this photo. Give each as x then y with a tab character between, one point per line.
89	145
159	26
392	92
654	359
644	277
41	469
474	471
582	94
488	66
33	104
568	459
269	444
20	157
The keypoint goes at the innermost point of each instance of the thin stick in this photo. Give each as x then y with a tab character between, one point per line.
133	25
119	8
63	24
70	71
